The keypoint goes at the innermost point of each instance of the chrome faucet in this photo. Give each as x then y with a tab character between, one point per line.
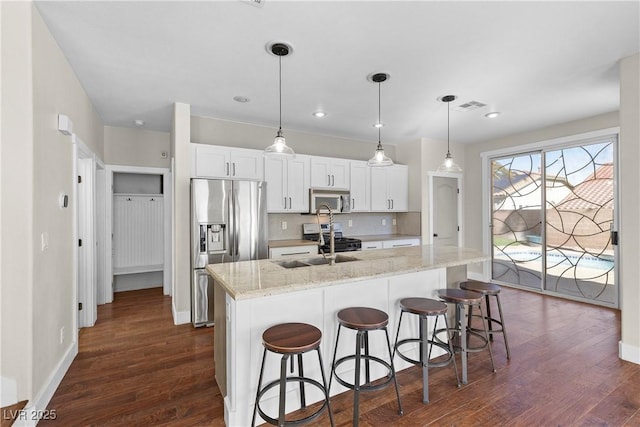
332	237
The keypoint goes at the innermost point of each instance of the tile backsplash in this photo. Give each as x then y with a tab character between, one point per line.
361	224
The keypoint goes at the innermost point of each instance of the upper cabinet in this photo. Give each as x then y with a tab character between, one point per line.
390	189
287	183
209	161
360	188
327	172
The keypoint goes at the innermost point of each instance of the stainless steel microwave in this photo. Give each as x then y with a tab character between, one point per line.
338	201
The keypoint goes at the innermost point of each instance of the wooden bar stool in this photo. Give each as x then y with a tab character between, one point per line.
425	308
291	339
487	290
363	320
462	298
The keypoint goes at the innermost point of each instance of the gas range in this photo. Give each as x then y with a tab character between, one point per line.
342	244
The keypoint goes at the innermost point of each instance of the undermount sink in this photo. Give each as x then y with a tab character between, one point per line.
314	261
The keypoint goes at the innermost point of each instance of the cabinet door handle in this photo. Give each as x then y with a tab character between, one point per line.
353	204
391	203
289	202
285	203
328	180
333	180
227	167
234	169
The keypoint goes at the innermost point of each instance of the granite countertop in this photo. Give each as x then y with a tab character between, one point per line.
255	279
381	237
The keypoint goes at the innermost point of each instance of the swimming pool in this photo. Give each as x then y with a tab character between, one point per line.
605	262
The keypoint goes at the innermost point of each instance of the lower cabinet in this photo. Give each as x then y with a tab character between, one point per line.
367	246
400	243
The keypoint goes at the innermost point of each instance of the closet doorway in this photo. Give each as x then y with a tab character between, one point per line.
139	222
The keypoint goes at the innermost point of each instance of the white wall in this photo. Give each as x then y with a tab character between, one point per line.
630	207
136	147
16	280
38	286
180	137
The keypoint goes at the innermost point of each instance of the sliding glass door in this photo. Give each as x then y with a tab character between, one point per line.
567	248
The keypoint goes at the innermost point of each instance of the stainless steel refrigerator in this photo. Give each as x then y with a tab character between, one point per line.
228	224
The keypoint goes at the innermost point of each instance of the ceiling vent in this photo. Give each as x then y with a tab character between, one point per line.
468	106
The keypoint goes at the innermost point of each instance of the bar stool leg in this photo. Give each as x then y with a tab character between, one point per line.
453	354
488	304
326	389
397	334
486	333
367	366
460	317
424	358
283	389
333	362
393	373
504	331
255	407
303	400
356	381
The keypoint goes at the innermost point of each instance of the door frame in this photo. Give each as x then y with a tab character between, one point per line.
458	178
167	218
546	145
84	224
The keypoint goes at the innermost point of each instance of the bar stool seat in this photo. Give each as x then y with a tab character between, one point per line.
463	298
487	290
363	320
291	339
425	308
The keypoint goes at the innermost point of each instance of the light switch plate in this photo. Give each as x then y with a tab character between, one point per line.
284	225
384	221
350	223
394	221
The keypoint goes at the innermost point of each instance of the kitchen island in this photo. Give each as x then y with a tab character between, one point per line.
254	295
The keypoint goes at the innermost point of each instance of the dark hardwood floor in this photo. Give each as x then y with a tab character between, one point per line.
136	368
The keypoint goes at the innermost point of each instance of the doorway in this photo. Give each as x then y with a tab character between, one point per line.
553	220
445	192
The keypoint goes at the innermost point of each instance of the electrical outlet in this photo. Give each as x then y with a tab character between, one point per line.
61	335
350	223
384	221
284	225
394	222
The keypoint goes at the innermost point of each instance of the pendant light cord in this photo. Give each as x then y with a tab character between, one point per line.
448	126
379	122
280	90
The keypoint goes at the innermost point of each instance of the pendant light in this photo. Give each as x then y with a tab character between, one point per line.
279	145
448	165
379	158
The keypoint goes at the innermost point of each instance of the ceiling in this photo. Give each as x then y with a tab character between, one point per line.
538	63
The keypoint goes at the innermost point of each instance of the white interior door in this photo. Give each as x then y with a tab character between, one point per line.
445	191
86	270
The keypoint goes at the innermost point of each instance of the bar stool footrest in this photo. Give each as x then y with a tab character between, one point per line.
274	383
430	364
365	386
456	336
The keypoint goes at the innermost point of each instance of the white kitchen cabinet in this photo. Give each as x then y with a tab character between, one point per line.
400	243
360	187
287	183
212	161
293	250
328	172
390	189
367	246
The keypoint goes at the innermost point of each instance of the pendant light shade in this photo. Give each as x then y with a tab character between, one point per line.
279	145
448	165
379	158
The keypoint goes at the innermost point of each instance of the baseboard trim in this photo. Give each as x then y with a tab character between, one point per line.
629	353
37	409
180	317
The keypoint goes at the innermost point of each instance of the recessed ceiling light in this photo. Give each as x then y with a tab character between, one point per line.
242	99
492	114
138	122
319	114
378	125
